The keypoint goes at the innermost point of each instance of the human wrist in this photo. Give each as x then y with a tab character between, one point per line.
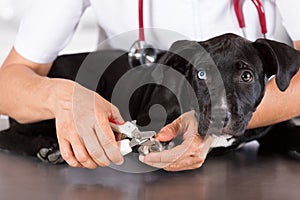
61	96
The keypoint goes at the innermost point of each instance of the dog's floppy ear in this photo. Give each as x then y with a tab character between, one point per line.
179	55
278	59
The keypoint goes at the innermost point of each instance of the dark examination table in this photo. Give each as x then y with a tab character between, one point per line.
244	174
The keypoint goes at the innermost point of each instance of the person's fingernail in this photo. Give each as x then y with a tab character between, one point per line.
141	158
162	137
120	162
159	135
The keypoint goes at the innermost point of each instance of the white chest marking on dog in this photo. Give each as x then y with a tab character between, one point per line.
4	123
222	141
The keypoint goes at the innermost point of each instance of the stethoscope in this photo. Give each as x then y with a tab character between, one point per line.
238	4
142	53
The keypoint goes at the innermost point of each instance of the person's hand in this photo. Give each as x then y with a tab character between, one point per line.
186	156
83	130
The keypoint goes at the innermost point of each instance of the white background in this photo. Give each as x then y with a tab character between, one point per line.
11	11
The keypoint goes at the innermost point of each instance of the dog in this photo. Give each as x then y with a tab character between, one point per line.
227	77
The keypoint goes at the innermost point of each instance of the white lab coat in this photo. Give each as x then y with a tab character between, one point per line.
50	24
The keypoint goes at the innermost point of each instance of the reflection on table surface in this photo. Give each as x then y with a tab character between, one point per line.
246	173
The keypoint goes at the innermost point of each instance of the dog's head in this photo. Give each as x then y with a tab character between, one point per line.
228	74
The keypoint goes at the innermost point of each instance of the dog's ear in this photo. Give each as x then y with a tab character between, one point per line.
179	55
278	59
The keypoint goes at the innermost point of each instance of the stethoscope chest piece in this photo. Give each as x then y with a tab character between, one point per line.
142	53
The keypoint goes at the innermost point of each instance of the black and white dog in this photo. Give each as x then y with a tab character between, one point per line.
223	104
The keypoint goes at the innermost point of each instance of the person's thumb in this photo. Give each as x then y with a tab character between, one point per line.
116	116
168	132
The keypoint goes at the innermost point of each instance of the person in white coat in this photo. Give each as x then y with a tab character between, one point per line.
48	26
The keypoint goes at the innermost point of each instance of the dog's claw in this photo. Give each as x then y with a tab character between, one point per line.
50	155
43	152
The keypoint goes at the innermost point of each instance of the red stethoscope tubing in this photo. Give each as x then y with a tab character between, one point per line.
261	14
238	12
141	21
141	52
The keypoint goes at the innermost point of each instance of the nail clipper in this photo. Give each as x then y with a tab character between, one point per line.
132	137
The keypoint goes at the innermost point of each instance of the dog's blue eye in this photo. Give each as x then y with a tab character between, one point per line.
202	75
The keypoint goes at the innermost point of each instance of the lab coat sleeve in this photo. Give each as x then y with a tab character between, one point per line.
47	27
290	13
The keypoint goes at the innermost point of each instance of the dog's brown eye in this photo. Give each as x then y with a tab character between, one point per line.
246	76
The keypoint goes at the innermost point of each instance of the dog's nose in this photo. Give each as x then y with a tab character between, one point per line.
227	118
221	118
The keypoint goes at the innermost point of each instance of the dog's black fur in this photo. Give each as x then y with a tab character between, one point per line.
244	67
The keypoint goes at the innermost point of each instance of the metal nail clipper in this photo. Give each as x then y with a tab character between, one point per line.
144	141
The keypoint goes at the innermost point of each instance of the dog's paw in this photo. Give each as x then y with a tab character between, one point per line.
50	155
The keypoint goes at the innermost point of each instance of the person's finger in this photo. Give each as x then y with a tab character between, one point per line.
115	115
81	154
108	142
166	156
154	164
185	161
186	123
98	155
93	148
193	161
181	167
168	132
191	147
118	136
67	153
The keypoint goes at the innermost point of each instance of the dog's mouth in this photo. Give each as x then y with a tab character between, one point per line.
219	123
234	127
228	125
